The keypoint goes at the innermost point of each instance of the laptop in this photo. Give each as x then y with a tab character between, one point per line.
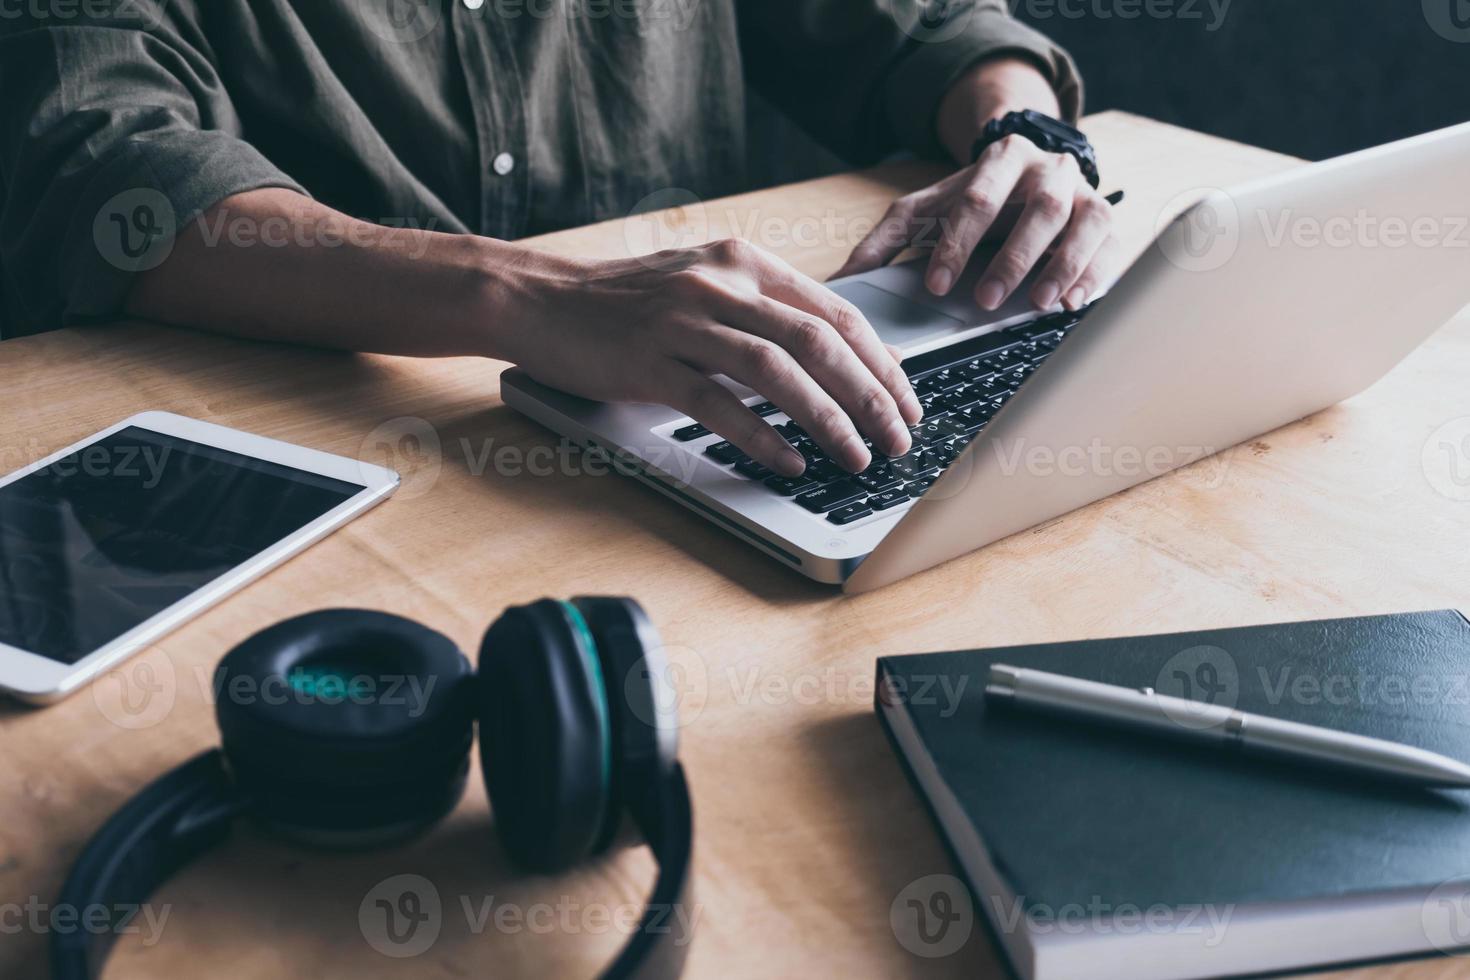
1254	308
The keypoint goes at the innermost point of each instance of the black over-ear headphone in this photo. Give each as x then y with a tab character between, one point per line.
574	734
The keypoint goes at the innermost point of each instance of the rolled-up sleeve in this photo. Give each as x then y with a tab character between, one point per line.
116	132
867	76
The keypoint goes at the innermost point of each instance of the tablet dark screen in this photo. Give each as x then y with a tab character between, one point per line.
112	534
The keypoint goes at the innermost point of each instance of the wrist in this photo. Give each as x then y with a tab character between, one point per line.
988	91
510	289
492	306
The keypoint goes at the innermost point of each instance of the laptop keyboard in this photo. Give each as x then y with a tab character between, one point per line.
961	387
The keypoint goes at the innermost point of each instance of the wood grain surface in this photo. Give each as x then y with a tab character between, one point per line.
807	830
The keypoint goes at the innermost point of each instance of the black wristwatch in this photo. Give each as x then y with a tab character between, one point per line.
1052	135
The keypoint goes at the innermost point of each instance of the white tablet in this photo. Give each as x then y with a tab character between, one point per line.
110	543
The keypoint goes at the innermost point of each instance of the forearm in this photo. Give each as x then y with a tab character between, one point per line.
989	90
274	265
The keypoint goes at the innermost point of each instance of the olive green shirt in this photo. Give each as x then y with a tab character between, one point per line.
124	119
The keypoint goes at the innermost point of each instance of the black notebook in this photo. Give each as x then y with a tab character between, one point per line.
1097	852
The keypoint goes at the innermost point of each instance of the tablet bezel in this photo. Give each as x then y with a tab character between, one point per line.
39	679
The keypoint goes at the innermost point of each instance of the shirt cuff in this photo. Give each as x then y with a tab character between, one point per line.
919	82
134	204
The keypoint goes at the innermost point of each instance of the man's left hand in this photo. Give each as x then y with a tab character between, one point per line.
1038	201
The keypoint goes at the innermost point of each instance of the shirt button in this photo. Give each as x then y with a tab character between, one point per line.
474	4
504	163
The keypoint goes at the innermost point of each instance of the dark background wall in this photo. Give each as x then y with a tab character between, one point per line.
1313	78
1310	77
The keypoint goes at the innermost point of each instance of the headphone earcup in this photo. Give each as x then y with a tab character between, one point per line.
545	735
645	724
347	727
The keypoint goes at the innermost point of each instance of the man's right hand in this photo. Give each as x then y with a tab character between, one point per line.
651	329
656	329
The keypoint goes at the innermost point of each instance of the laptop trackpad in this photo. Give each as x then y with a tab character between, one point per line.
899	321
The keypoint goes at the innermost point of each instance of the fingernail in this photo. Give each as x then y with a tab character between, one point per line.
941	282
856	455
992	293
909	405
896	438
1047	293
790	463
1076	298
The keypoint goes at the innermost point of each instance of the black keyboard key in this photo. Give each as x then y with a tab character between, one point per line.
945	454
932	432
791	432
918	488
832	496
764	409
974	349
825	471
962	397
938	381
972	370
753	470
991	387
877	477
973	419
691	432
850	513
1043	326
887	499
790	486
930	401
725	452
810	451
920	435
914	465
953	427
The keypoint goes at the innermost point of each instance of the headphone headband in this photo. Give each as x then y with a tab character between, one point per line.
173	821
188	811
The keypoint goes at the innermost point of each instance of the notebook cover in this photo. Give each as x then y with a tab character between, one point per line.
1075	812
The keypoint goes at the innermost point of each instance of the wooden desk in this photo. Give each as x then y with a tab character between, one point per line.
806	828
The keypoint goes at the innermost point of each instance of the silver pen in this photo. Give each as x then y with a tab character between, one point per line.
1145	708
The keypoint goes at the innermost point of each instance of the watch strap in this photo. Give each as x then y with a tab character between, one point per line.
1051	135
